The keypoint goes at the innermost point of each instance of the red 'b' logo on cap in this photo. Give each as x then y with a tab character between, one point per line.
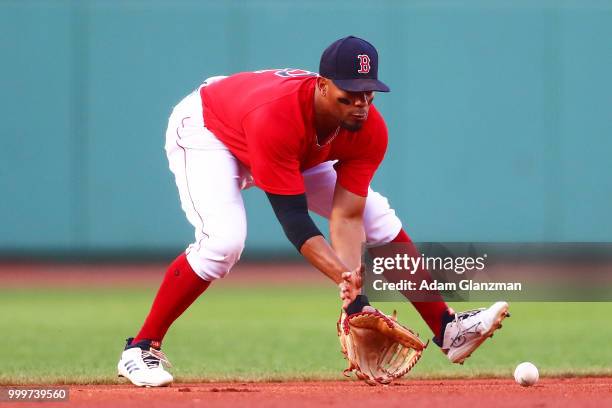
364	64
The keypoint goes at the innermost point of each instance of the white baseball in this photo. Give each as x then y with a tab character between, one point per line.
526	374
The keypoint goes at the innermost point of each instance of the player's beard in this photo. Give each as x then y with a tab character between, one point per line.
351	127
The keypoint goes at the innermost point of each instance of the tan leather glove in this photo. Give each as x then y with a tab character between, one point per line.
377	348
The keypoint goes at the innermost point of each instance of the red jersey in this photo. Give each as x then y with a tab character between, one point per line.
266	119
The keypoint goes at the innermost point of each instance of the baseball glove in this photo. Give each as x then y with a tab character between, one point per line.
378	349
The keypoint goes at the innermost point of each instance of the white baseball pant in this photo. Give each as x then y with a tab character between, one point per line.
210	179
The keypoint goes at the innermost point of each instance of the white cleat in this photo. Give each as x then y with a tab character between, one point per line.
470	329
143	365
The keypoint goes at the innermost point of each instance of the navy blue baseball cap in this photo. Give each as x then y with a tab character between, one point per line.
352	64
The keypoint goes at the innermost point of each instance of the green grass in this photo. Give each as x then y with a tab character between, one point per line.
258	334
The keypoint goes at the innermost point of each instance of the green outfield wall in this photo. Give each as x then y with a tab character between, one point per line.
500	114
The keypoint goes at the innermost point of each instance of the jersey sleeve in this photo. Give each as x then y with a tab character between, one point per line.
355	172
274	147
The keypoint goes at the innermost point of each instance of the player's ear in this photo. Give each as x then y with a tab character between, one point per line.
323	85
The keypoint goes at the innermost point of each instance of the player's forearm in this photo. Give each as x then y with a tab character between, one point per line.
322	256
292	213
347	236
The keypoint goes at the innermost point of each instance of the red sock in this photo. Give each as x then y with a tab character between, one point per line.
431	311
179	289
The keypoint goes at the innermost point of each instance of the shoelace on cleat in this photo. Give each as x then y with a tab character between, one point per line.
468	313
153	358
462	331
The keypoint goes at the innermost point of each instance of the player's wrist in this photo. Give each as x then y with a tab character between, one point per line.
357	305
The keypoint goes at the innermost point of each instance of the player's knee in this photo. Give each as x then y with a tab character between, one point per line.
380	222
213	258
232	249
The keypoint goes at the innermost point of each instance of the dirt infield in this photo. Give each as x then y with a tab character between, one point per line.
569	392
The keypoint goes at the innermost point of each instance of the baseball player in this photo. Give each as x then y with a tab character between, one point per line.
310	142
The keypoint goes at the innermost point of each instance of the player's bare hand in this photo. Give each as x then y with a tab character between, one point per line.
351	285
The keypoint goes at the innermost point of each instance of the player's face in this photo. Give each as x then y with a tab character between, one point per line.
350	108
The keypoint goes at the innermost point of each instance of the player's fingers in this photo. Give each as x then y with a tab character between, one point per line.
348	290
356	274
349	282
345	302
358	282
